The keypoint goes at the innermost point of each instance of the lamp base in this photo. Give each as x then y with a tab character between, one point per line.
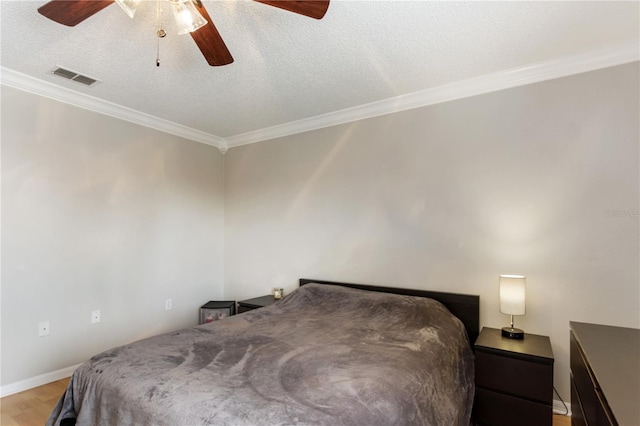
512	333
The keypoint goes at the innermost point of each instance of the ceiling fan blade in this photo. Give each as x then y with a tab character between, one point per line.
210	42
72	12
311	8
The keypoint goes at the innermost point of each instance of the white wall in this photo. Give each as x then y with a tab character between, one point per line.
98	213
102	214
448	197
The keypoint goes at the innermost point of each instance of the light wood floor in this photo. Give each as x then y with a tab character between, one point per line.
32	407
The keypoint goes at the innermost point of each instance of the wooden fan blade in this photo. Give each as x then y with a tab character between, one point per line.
210	42
72	12
311	8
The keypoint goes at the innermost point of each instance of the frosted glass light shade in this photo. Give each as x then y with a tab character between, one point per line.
512	298
188	19
129	6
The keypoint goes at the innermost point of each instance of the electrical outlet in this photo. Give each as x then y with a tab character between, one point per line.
43	328
95	317
168	304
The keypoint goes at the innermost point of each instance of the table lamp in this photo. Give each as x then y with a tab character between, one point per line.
512	302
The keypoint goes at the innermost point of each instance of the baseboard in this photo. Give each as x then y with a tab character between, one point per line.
558	408
36	381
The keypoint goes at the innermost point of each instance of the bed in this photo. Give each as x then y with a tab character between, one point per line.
326	354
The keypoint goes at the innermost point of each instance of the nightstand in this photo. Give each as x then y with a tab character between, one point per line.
215	310
514	380
255	303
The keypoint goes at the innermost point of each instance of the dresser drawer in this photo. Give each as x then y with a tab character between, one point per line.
518	377
242	308
577	415
497	409
587	390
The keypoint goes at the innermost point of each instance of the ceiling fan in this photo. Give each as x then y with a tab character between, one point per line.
207	37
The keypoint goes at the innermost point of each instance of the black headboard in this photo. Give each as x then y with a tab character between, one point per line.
464	306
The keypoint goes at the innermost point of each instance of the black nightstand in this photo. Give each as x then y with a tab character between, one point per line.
258	302
216	309
514	380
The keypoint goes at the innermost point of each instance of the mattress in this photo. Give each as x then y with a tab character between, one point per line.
323	355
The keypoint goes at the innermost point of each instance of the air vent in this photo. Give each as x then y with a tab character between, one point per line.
84	80
64	73
72	75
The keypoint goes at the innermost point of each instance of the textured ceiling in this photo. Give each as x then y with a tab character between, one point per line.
288	67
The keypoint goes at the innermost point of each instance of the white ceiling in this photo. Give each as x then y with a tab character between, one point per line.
290	70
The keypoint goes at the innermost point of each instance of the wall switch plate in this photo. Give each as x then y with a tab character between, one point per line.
43	328
95	317
168	304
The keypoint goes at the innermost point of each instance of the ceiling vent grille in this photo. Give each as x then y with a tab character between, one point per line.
72	75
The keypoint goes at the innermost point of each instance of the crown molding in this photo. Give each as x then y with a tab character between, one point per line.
605	57
30	84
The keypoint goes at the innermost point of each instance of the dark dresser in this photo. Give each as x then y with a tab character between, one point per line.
514	380
605	375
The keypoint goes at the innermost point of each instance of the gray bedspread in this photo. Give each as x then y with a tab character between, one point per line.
323	355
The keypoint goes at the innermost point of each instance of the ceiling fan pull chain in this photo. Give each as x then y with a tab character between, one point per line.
158	53
161	33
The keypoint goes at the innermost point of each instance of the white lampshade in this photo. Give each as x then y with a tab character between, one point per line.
512	299
188	19
129	6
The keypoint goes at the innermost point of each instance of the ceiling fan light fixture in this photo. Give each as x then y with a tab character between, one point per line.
129	6
188	19
190	15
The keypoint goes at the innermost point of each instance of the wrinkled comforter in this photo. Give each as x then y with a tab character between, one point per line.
323	355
